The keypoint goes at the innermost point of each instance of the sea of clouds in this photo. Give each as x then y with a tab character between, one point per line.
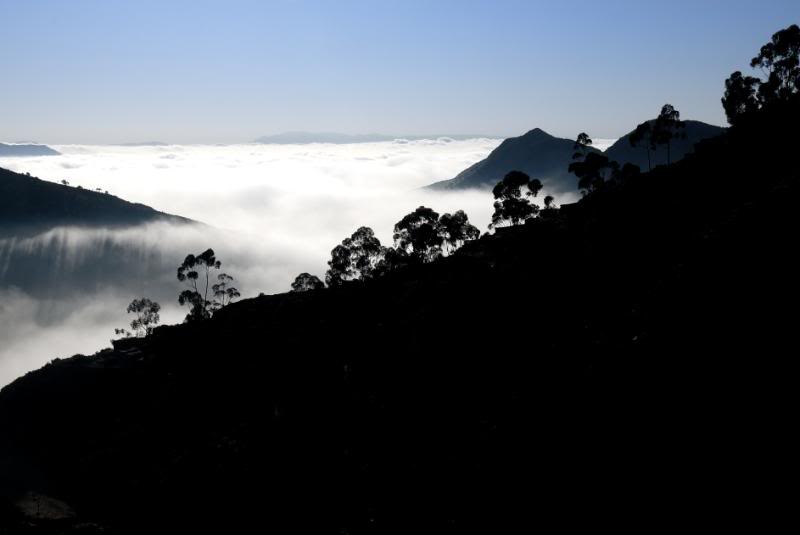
269	211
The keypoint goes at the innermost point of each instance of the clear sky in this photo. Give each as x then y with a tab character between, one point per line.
104	71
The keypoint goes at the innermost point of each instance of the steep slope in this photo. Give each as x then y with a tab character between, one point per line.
695	131
38	255
536	153
30	204
21	149
621	363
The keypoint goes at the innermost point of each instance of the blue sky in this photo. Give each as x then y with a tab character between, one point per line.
227	71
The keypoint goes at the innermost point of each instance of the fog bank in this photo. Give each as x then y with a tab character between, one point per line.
273	211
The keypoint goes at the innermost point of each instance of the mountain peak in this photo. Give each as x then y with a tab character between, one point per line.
536	132
546	157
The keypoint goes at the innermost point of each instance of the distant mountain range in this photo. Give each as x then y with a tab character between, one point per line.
30	204
547	158
144	144
339	138
26	149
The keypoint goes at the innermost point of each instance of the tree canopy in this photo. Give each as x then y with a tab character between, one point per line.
417	235
511	207
147	317
224	292
593	171
196	273
455	229
779	60
581	146
740	96
355	258
666	127
305	282
779	63
421	236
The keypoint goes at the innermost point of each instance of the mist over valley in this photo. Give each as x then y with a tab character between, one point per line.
269	211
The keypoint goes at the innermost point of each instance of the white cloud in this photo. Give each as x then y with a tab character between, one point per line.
277	210
603	143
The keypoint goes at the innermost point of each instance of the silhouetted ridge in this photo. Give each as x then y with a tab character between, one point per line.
695	131
26	149
30	204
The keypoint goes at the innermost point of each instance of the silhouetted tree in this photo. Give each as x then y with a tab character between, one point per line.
392	259
624	174
65	183
740	96
534	187
643	135
195	272
417	235
581	146
366	251
146	317
224	292
339	266
668	126
550	209
510	207
589	167
593	171
306	282
779	62
355	258
455	229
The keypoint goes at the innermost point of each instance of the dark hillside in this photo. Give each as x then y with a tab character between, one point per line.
29	203
622	363
695	131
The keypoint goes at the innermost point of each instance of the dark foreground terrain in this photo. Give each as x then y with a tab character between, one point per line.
625	364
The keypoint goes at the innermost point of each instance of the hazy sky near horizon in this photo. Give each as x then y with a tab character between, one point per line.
197	71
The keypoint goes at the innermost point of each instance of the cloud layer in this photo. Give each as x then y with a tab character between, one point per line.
273	210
